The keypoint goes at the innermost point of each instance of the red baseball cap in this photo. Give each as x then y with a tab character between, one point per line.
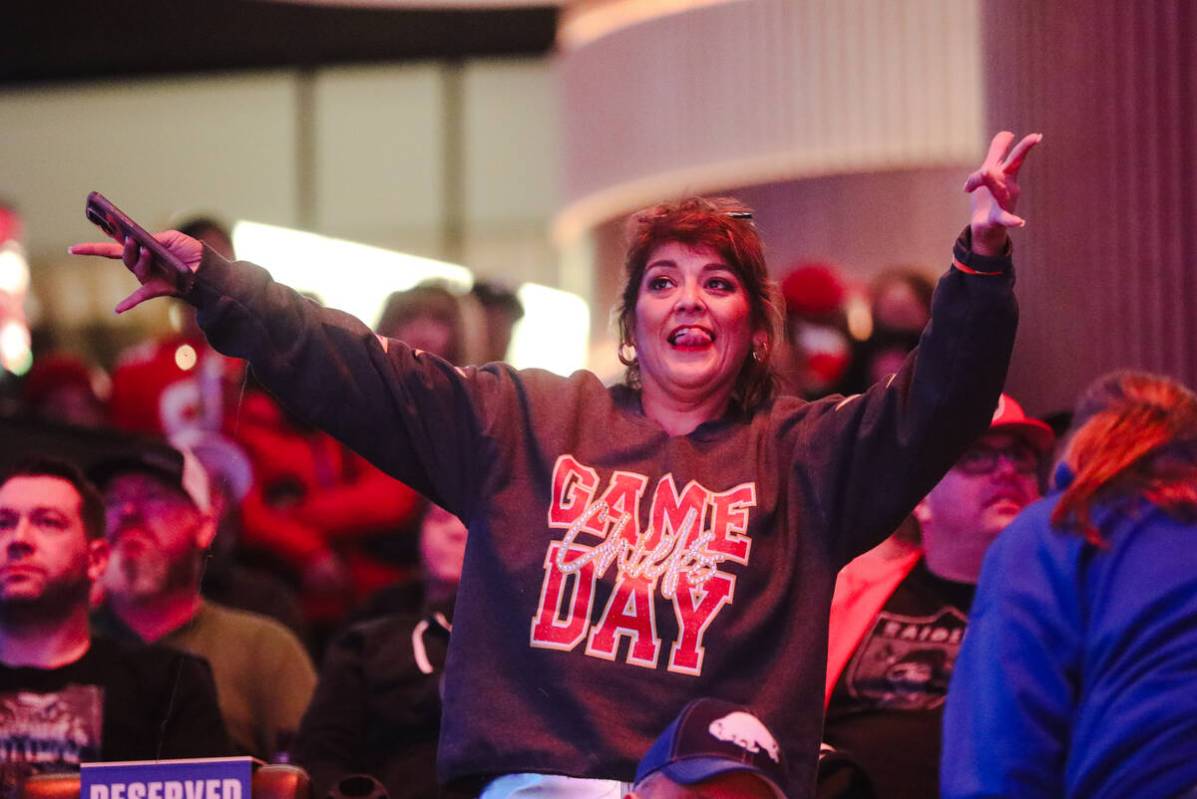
813	289
1010	417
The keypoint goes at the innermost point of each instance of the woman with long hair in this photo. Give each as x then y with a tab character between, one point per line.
1078	675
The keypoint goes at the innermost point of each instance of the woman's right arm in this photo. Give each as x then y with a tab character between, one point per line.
413	415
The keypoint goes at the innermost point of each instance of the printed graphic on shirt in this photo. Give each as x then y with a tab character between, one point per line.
905	662
691	532
42	733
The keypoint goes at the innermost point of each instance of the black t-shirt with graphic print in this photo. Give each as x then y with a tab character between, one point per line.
118	702
887	708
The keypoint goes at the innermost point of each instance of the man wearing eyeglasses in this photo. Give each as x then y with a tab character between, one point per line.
898	618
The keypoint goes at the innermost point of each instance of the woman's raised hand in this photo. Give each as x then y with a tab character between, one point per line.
994	190
155	281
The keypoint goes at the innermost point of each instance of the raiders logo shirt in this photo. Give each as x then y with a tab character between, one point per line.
887	708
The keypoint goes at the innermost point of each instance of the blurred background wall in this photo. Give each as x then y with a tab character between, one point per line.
355	152
1109	266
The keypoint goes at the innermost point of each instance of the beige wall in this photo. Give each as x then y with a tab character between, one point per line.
358	153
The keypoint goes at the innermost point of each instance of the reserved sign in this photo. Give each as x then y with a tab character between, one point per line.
200	778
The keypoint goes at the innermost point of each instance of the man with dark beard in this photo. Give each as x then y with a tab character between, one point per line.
66	697
159	526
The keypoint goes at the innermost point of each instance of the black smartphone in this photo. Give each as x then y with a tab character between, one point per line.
117	224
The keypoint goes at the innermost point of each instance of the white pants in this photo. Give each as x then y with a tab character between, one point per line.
553	786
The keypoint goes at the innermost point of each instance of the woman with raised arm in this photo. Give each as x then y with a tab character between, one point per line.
633	547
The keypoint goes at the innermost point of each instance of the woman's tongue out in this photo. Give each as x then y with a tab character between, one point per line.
691	338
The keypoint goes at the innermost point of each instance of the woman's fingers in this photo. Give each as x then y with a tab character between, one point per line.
129	253
144	266
974	181
996	216
997	162
994	181
152	289
131	257
1014	160
994	190
140	261
997	149
104	249
1007	219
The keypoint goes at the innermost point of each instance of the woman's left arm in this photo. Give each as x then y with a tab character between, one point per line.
870	458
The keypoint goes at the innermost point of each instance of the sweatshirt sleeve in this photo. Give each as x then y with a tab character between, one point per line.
869	458
1007	722
413	415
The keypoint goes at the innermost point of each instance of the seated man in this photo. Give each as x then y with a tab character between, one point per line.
66	697
898	616
227	579
159	527
712	750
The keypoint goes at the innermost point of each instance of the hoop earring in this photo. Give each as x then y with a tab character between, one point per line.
756	355
624	358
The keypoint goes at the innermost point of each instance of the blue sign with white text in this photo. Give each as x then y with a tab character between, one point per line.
201	778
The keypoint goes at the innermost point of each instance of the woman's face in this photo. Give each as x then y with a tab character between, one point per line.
693	326
898	307
426	333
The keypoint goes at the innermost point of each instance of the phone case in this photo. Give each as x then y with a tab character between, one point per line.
119	226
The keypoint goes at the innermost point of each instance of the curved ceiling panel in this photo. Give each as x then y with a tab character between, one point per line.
753	91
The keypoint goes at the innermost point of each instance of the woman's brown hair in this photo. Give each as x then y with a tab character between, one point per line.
725	226
1136	436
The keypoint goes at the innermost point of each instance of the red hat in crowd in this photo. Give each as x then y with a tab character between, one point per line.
1010	417
53	372
813	289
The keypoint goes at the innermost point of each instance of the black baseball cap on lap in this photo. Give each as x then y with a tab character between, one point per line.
711	737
